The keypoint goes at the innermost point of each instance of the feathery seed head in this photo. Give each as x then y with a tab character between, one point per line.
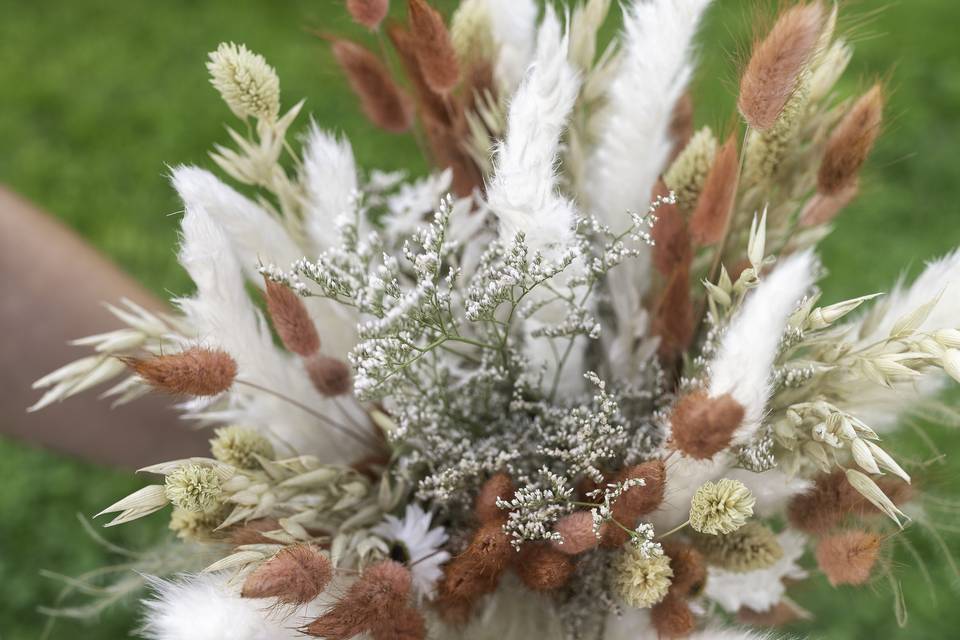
576	532
296	575
847	558
850	143
703	426
721	507
434	51
543	568
485	506
330	376
714	206
471	33
291	319
672	617
368	13
248	85
687	174
197	371
381	100
777	62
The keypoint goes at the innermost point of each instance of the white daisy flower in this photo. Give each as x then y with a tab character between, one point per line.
420	546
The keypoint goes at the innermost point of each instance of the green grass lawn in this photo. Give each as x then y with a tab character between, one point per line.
97	98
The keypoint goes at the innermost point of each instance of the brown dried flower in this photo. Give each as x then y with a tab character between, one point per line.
369	13
703	426
847	558
673	320
822	208
291	319
381	100
434	51
635	501
709	218
485	506
689	569
296	575
850	143
672	617
543	568
407	624
329	376
198	371
777	62
381	592
671	247
577	532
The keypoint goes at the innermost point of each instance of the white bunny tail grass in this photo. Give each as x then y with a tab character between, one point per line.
654	72
524	191
330	180
749	347
254	235
203	607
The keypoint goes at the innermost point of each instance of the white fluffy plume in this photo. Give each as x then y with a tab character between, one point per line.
514	24
330	180
224	316
204	607
634	139
523	190
749	347
255	235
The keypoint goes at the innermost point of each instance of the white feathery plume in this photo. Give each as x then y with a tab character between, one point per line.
523	190
940	278
256	237
330	180
204	607
634	138
749	347
224	316
514	26
880	407
634	143
761	589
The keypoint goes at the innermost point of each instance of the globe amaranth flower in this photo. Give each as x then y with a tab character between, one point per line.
194	487
721	507
641	579
240	446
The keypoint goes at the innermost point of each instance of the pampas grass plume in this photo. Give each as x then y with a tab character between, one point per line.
198	371
777	62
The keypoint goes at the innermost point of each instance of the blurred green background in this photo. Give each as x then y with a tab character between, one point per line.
97	98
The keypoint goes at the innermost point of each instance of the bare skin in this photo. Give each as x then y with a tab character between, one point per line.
51	284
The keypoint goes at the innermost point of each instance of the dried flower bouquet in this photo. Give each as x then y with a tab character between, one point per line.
576	383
